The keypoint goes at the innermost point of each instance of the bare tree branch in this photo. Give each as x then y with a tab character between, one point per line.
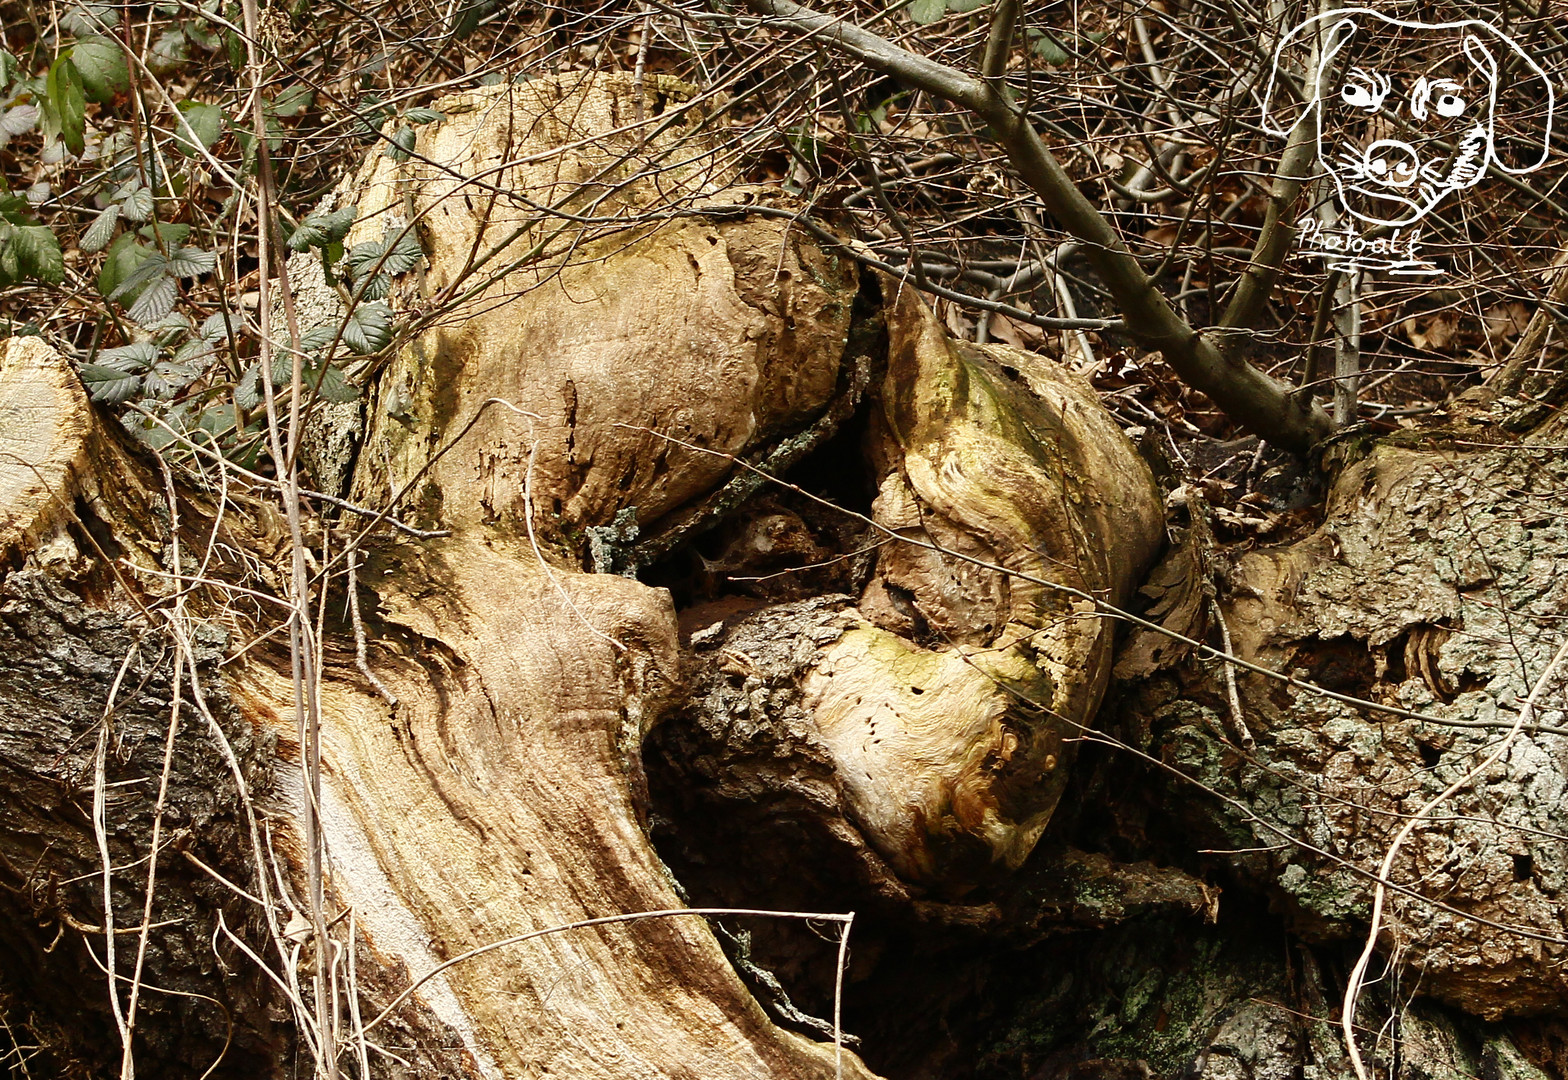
1247	395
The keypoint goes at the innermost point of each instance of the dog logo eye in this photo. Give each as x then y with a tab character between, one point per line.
1365	90
1449	105
1358	97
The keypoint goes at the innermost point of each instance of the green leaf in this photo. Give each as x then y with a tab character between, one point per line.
333	387
402	144
101	231
90	18
18	120
967	5
8	67
292	100
245	134
67	103
168	378
926	11
362	257
206	123
169	52
109	385
376	288
216	419
403	250
1050	50
195	351
368	328
247	392
318	338
190	262
37	253
135	201
169	232
422	115
216	328
135	357
101	62
123	257
321	229
155	300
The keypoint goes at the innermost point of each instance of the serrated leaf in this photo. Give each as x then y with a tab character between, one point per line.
402	144
148	267
136	204
109	385
19	119
122	258
292	100
926	11
101	63
377	288
361	257
1048	49
247	392
195	351
317	338
216	419
157	436
307	236
169	52
333	387
170	233
403	251
155	300
90	17
129	358
337	224
38	253
368	328
321	229
171	328
168	378
101	231
190	262
216	328
283	369
206	122
68	103
422	115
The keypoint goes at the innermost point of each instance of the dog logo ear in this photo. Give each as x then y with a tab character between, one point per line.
1521	110
1302	60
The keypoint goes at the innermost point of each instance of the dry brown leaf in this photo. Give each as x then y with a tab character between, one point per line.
1435	331
1506	321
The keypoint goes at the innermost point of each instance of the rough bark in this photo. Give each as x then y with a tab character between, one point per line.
879	710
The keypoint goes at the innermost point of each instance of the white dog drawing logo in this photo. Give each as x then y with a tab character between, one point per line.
1407	112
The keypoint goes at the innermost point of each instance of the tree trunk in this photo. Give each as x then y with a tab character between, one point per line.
880	710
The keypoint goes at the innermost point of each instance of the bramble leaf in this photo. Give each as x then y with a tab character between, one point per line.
101	231
402	144
101	63
67	103
109	385
368	328
206	123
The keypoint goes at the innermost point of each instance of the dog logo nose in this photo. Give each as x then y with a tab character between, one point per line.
1392	163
